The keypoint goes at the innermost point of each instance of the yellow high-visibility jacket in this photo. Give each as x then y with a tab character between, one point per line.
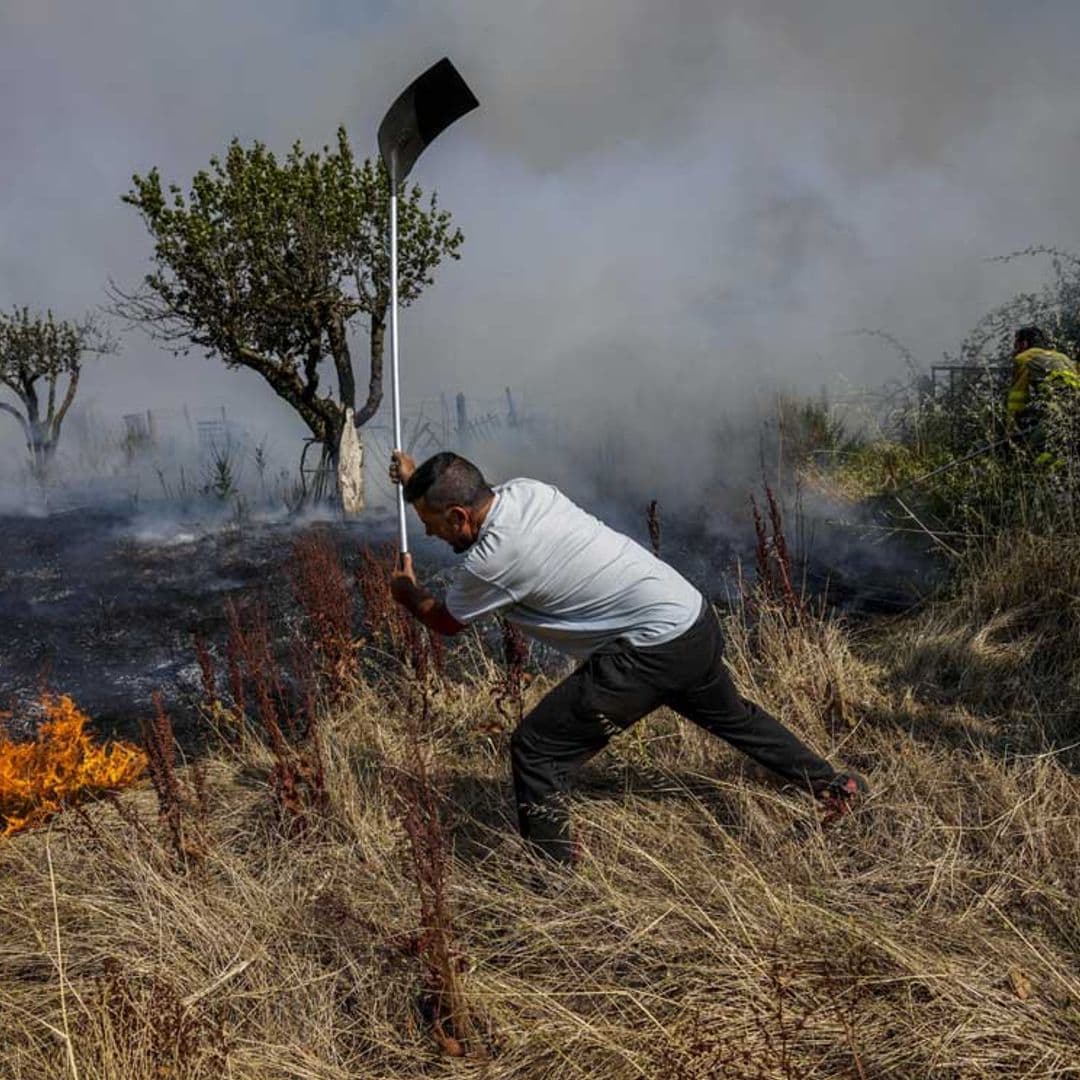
1036	368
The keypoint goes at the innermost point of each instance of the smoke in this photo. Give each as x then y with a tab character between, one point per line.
668	213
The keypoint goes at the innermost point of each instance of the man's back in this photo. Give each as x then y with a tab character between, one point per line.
1035	368
566	578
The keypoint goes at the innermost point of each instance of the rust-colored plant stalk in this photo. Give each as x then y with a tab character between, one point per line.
320	587
509	691
386	622
773	561
134	1009
160	743
297	780
207	671
443	1001
392	632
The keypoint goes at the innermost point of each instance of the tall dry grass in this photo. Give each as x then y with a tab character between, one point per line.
714	928
1002	648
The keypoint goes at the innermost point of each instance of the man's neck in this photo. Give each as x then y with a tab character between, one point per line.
483	510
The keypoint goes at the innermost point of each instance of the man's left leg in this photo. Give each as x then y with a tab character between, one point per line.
569	725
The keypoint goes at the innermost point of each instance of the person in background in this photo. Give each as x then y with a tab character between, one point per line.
1042	395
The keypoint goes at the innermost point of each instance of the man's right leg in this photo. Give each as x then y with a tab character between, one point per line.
712	702
568	726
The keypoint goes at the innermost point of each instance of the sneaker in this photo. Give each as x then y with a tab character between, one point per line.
840	795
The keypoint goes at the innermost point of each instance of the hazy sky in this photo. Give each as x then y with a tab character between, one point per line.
675	203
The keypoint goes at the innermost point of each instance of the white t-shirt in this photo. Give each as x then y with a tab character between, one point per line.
566	578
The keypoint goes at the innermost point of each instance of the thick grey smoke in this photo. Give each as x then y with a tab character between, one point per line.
669	209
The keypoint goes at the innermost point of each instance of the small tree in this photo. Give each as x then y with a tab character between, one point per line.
266	265
38	355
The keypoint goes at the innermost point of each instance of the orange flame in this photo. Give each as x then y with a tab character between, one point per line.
60	766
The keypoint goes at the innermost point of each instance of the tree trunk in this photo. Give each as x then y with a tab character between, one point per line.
377	341
316	412
42	449
339	350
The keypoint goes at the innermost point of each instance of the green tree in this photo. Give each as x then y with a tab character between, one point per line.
40	362
268	264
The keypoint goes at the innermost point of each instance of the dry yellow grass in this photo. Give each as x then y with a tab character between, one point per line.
714	929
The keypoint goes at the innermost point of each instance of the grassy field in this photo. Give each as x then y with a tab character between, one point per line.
355	903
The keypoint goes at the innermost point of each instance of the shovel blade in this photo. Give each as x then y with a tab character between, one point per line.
428	106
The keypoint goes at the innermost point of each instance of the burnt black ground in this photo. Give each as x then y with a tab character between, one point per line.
103	603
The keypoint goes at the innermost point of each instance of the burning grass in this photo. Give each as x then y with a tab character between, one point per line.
61	766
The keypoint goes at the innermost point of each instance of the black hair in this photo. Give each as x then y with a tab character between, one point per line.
1030	337
448	480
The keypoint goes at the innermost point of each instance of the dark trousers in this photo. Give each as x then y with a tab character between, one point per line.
618	685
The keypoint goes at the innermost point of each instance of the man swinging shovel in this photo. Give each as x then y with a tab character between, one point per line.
643	636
